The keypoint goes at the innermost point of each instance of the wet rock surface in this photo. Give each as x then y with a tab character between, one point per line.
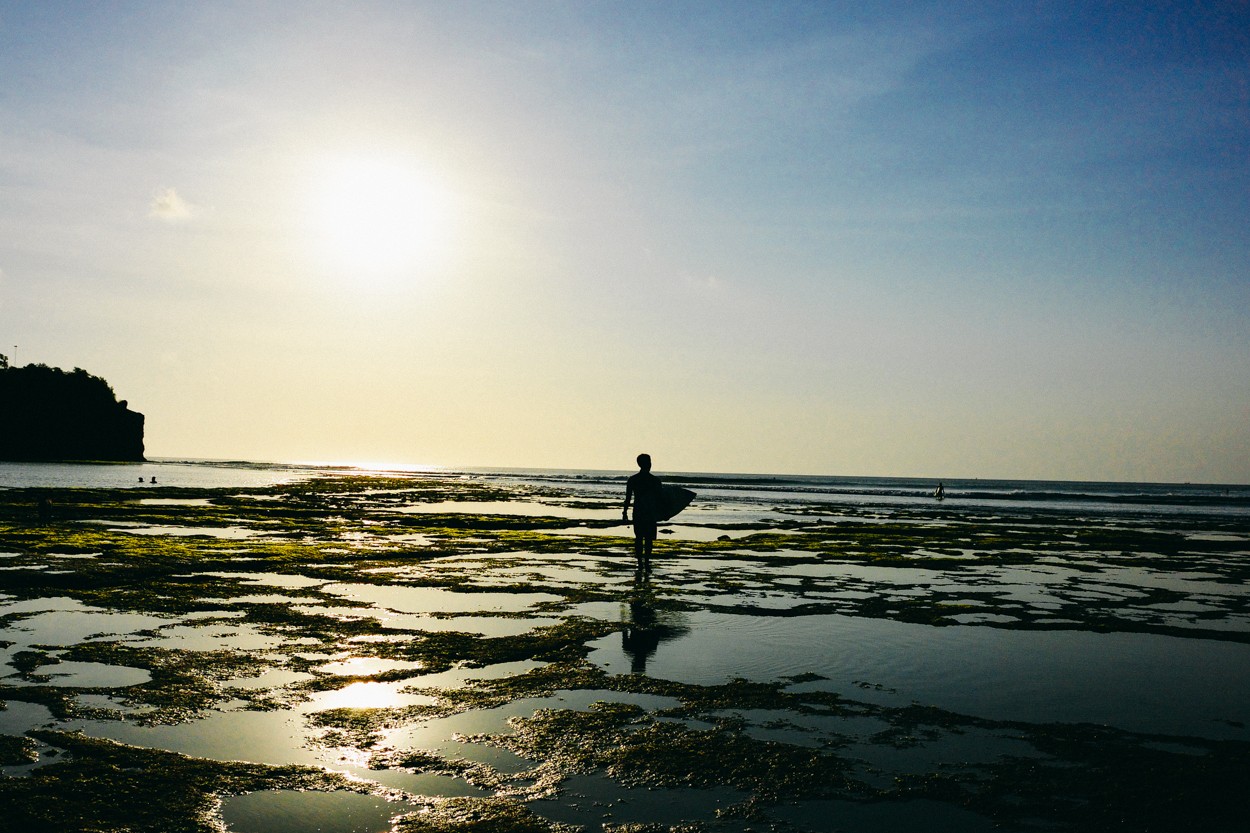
506	667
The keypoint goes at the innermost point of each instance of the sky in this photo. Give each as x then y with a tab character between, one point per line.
941	240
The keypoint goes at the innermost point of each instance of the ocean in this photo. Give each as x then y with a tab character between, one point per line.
744	490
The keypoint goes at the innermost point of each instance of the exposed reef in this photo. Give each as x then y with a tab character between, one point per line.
203	659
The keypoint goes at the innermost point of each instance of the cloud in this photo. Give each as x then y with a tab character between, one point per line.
706	283
168	207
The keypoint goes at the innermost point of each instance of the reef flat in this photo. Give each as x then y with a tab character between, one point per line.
447	653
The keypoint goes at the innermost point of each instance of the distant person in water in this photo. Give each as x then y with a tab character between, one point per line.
643	489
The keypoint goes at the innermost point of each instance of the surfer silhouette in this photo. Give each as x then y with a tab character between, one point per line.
643	489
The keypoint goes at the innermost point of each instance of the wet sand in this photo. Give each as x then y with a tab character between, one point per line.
448	653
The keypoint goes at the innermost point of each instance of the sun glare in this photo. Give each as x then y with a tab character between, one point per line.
376	218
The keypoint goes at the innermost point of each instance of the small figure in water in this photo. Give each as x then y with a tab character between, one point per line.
153	479
643	489
45	510
940	491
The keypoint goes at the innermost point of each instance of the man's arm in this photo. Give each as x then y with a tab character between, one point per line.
629	494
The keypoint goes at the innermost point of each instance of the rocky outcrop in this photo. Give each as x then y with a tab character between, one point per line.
49	414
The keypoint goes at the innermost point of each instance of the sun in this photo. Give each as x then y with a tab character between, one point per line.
378	218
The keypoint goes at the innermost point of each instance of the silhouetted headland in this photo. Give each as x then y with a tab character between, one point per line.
47	414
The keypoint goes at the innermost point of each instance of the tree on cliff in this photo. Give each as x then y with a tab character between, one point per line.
48	414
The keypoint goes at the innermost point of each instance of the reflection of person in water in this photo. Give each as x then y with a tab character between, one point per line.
645	629
643	489
641	637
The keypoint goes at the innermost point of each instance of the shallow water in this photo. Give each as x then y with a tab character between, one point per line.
1137	682
520	508
87	675
428	600
286	811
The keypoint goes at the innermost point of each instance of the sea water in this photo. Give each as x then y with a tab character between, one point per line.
737	490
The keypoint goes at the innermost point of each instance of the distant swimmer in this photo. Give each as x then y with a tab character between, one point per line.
940	491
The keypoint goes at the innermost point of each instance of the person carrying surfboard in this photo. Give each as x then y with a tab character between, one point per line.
643	489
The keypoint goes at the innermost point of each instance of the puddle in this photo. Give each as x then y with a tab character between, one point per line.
276	738
291	581
430	623
457	677
19	717
273	678
173	501
234	533
435	599
210	637
367	696
75	622
289	811
366	666
88	675
516	508
41	605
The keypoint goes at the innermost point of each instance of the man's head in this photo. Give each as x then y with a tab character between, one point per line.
644	462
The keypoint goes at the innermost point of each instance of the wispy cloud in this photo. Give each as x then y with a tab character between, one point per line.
706	283
168	207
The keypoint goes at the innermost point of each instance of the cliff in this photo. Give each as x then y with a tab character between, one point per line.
49	414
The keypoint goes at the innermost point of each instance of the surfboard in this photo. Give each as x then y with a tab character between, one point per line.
673	499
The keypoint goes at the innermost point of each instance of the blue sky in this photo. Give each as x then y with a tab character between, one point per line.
944	240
